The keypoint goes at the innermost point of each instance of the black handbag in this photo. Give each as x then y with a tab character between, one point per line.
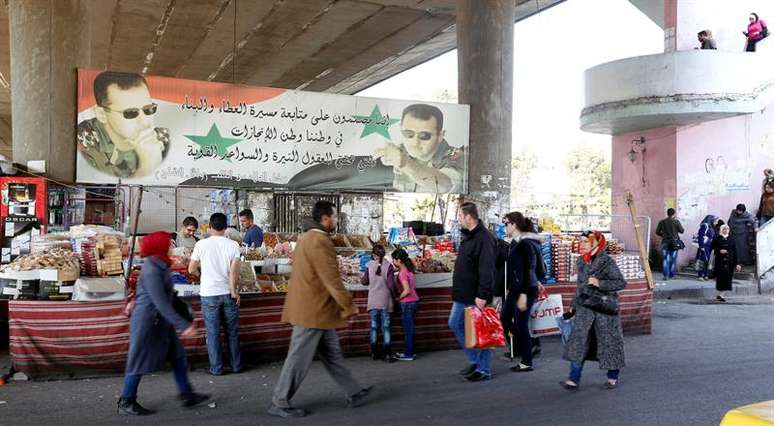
598	302
676	245
182	308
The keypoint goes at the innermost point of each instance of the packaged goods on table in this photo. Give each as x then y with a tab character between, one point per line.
545	249
630	266
57	258
560	255
615	247
47	242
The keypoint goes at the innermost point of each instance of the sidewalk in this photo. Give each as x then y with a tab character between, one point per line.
688	287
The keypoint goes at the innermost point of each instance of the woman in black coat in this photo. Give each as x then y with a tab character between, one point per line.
725	262
152	338
523	283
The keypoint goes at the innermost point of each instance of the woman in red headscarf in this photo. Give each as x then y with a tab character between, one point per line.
152	338
596	326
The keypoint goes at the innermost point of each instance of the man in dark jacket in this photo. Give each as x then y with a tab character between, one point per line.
474	275
669	230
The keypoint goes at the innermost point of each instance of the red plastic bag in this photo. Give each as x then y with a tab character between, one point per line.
483	329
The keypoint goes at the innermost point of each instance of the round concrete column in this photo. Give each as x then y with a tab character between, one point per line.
485	60
45	44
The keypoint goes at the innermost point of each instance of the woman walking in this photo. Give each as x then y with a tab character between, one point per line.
525	251
596	327
756	31
152	338
725	262
706	235
380	279
408	299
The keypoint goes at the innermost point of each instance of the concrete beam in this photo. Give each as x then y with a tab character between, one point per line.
133	33
418	32
218	43
361	37
286	22
189	25
314	36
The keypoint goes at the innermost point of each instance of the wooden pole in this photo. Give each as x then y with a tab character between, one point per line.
137	212
643	253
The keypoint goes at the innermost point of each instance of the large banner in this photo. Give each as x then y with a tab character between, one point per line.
168	131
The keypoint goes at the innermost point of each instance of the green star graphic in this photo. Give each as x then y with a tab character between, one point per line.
379	123
214	138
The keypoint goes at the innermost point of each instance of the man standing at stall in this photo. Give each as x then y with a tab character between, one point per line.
316	305
253	233
472	284
216	259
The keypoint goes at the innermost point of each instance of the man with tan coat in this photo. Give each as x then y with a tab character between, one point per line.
316	304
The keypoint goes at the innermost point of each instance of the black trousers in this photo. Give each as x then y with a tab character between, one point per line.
508	317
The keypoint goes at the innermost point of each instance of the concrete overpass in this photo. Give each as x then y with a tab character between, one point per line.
340	46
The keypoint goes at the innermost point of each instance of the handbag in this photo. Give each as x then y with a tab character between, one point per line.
676	245
182	308
598	302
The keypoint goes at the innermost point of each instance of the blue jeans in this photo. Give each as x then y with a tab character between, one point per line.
380	317
407	313
180	368
577	368
704	271
481	358
669	262
213	309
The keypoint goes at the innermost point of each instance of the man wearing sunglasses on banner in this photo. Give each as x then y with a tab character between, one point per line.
425	162
122	140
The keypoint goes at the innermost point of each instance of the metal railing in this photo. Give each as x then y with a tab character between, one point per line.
620	226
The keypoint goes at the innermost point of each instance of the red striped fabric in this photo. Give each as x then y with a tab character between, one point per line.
54	337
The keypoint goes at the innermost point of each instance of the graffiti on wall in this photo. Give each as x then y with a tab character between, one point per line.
717	179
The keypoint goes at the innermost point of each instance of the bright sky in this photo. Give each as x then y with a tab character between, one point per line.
552	50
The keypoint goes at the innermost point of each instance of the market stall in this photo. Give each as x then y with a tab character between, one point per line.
53	336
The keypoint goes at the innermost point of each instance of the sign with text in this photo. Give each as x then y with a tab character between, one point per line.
166	131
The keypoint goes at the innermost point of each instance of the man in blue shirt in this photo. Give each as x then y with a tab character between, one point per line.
253	232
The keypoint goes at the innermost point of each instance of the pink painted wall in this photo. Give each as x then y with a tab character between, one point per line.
703	169
660	176
720	164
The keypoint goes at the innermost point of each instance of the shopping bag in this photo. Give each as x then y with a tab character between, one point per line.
483	329
542	318
565	326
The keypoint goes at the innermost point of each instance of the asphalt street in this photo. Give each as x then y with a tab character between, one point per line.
700	361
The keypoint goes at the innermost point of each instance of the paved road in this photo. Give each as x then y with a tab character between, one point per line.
700	361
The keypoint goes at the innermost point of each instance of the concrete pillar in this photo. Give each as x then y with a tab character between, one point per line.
45	44
485	61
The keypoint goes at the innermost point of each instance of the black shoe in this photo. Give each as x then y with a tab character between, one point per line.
478	377
374	354
192	399
467	371
357	399
285	413
388	355
720	299
132	408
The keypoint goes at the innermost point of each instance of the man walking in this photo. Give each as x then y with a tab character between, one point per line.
669	230
474	274
316	304
217	260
